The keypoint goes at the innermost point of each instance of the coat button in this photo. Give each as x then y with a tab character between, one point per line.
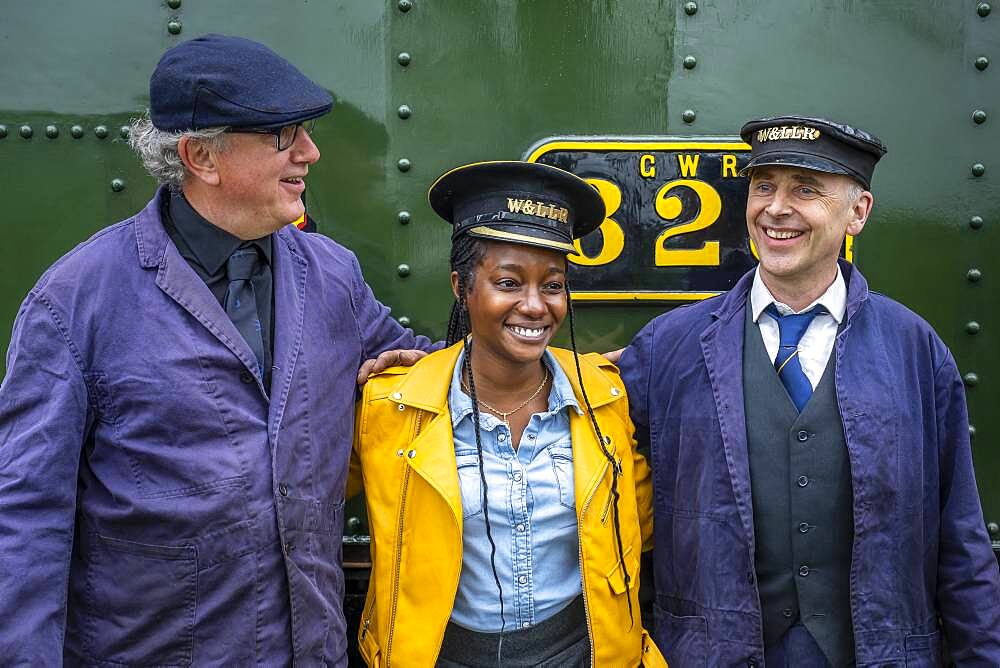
803	527
411	454
289	547
246	376
283	489
803	570
802	481
803	436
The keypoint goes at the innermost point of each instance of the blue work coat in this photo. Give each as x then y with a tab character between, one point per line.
156	505
921	552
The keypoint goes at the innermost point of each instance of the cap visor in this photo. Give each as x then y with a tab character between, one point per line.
805	161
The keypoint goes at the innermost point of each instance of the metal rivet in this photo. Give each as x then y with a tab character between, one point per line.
976	222
403	58
607	440
403	320
26	131
972	327
403	270
100	132
399	453
978	169
404	111
974	275
397	396
117	185
404	217
972	431
76	131
51	131
982	62
123	132
401	407
614	391
978	116
174	4
3	131
174	27
405	5
690	62
411	454
983	9
690	8
688	116
971	379
993	528
404	165
353	524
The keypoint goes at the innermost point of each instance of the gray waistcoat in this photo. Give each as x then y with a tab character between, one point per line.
802	504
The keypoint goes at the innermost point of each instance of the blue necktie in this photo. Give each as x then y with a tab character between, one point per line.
791	327
241	302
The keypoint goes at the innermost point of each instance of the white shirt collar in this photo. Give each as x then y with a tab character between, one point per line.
834	299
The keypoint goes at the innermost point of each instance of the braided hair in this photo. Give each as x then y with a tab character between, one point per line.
466	254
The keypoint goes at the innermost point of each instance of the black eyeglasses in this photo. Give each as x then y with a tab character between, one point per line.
284	136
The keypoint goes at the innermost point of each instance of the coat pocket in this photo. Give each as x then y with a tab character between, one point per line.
683	640
923	651
140	602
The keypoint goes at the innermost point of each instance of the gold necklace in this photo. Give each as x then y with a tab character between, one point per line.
504	414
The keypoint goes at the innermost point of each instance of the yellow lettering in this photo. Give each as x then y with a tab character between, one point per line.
514	205
669	207
728	165
761	135
647	166
543	210
528	207
688	164
613	237
563	215
797	132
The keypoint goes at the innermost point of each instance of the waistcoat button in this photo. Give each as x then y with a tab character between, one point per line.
802	481
803	527
787	613
803	436
803	571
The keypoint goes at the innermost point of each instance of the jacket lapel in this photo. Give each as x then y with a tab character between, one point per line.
289	275
722	348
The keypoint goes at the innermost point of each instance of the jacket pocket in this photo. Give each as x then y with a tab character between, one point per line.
140	602
616	576
470	483
683	640
923	651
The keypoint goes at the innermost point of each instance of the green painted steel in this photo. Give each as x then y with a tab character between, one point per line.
488	80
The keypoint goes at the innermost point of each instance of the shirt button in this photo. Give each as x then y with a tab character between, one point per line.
803	570
502	438
246	376
787	613
526	625
517	476
283	489
803	436
520	527
802	481
531	437
803	527
523	579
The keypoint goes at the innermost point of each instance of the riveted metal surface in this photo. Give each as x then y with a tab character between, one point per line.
101	132
403	217
976	222
51	131
978	169
403	270
690	62
982	62
76	131
983	9
979	116
26	132
403	58
973	327
174	27
404	111
688	116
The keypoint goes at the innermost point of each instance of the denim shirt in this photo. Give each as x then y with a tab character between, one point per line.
531	507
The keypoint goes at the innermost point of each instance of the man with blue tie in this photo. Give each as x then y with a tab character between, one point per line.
814	496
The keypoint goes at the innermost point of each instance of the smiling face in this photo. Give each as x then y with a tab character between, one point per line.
798	218
516	302
254	188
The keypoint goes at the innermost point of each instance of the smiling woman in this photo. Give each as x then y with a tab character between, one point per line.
508	508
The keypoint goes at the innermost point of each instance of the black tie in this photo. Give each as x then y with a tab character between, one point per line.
240	301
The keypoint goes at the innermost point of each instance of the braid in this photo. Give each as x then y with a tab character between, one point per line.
466	253
616	470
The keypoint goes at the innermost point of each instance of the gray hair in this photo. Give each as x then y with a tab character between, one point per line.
157	149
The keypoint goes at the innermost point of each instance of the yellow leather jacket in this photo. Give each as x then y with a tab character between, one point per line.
405	455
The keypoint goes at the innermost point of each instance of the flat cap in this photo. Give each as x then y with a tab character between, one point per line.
526	203
813	143
218	80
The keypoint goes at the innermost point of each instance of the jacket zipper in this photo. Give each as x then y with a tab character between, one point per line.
399	551
583	573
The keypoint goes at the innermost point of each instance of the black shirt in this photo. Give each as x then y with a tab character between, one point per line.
207	247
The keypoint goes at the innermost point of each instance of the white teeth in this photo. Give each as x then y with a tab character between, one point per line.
779	234
293	179
526	332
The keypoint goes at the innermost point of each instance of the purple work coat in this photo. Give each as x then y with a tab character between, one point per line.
921	552
156	506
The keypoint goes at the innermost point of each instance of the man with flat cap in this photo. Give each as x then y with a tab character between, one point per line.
177	415
814	496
